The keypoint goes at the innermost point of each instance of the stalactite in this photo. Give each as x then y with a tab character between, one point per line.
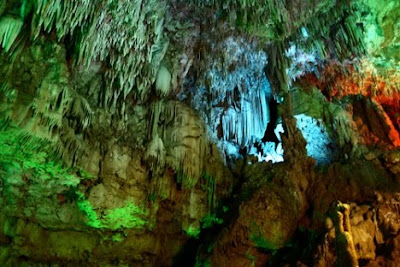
127	37
9	29
178	140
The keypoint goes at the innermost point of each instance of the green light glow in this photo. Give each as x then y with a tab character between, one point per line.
128	216
19	152
85	206
193	231
210	220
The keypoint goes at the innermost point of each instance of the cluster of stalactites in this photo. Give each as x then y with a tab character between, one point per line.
240	97
274	19
246	118
44	118
177	139
44	103
235	102
126	36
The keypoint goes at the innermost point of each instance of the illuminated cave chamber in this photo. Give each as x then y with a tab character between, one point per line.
235	102
241	111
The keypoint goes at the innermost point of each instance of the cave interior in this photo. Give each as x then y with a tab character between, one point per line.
200	133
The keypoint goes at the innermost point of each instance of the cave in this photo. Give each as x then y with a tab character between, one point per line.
200	133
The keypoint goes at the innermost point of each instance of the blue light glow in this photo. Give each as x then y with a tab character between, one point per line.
304	32
269	151
319	144
238	113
